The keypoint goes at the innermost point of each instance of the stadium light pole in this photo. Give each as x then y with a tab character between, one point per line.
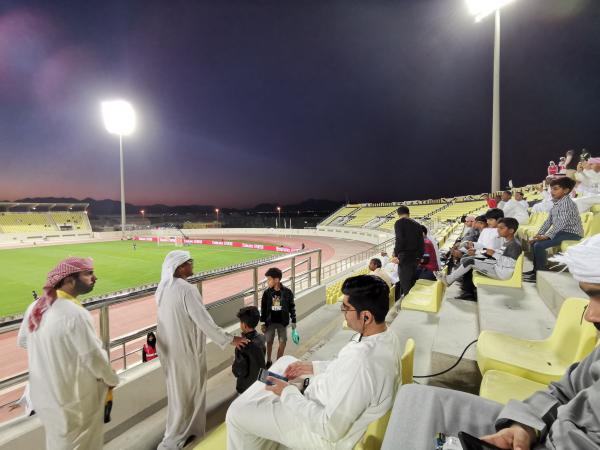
119	119
482	9
279	216
217	211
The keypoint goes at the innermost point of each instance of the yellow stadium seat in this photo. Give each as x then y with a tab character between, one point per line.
595	209
215	440
590	228
543	361
516	281
426	295
373	437
503	386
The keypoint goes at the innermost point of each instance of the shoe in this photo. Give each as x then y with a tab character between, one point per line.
529	272
468	297
269	364
530	279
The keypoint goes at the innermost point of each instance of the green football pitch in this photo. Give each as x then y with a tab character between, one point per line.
117	265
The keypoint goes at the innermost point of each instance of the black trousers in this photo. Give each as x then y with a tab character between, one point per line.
407	273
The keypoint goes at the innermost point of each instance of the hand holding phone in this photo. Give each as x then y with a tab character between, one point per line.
469	442
263	374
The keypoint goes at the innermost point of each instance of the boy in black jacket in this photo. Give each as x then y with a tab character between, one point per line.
251	358
277	309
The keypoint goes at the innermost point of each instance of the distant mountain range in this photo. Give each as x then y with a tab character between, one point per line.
113	207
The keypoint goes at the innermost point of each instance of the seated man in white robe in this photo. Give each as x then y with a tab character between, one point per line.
344	395
376	270
589	187
562	417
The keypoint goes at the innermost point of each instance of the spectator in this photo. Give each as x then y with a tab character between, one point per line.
504	198
546	204
69	372
345	394
589	187
468	228
521	200
276	310
385	259
149	349
472	232
489	238
563	416
570	163
408	249
552	169
182	323
498	264
563	223
375	269
491	201
562	166
429	262
251	358
512	208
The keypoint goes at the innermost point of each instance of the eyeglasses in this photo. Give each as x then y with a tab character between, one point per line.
344	310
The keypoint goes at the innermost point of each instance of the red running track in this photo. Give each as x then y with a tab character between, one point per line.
137	314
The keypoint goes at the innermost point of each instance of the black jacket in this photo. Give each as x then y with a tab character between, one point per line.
409	239
288	307
249	360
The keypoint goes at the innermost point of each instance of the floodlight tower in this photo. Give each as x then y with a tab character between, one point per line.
217	211
119	119
279	215
481	9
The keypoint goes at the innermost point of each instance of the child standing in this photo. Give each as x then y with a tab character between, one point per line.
251	358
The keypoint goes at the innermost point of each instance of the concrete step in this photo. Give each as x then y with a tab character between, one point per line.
518	312
555	287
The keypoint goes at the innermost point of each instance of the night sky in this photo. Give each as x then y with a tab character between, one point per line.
242	102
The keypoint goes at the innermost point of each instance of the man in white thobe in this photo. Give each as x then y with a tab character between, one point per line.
183	323
344	395
562	417
69	372
589	187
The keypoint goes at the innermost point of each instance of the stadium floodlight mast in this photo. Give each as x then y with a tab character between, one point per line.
279	216
217	211
481	9
119	119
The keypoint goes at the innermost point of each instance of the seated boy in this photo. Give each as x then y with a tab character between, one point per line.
343	397
251	358
498	264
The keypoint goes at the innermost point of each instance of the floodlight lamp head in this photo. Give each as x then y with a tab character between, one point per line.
119	117
483	8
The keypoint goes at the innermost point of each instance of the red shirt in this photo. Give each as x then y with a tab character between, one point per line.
430	250
492	203
552	170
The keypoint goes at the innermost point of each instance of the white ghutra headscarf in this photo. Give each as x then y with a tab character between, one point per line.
583	260
172	261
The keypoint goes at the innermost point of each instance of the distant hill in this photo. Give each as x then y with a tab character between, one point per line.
108	207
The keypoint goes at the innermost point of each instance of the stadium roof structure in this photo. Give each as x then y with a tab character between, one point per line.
42	206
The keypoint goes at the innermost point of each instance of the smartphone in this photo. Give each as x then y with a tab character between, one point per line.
263	374
469	442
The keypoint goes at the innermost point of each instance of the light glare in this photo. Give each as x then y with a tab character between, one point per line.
119	117
483	8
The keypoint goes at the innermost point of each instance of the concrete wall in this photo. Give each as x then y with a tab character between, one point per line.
142	390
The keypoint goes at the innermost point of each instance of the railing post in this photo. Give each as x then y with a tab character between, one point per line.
255	284
309	271
105	330
293	275
199	286
124	357
319	267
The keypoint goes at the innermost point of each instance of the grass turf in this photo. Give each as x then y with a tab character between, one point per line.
117	265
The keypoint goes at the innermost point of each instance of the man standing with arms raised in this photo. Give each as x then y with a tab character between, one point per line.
183	323
408	249
69	372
